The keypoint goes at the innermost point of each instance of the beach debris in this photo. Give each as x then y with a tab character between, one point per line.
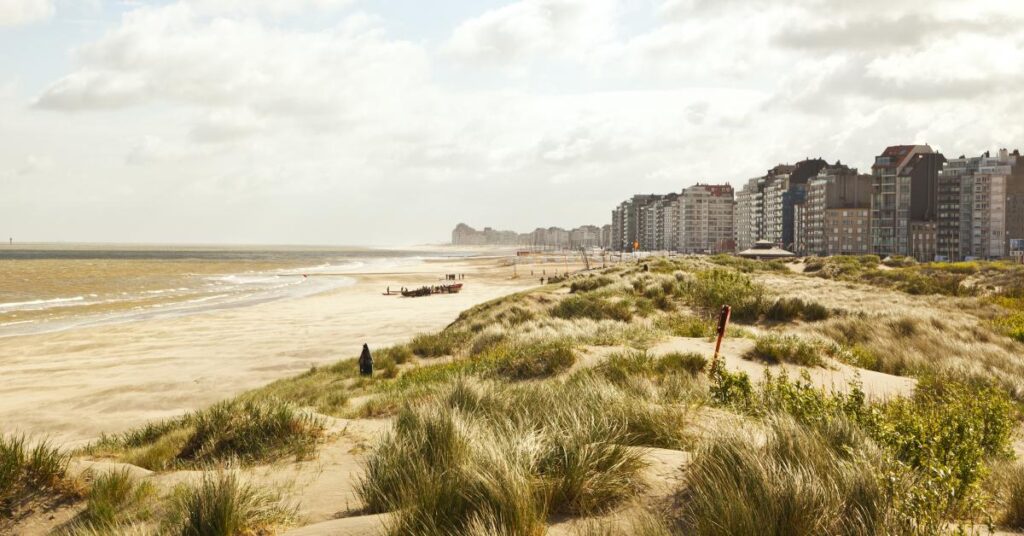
428	290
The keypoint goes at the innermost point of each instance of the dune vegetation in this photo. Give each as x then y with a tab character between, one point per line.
594	404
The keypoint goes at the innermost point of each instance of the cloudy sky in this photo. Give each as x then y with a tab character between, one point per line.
388	122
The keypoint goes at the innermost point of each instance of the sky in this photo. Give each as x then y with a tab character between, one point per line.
359	122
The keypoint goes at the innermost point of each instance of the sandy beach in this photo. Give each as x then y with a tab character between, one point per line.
76	384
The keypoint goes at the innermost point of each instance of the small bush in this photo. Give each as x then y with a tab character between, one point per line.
523	361
220	505
593	307
250	432
897	261
730	389
787	349
784	309
711	289
814	312
747	265
789	309
589	284
386	368
950	431
446	342
399	354
691	362
683	325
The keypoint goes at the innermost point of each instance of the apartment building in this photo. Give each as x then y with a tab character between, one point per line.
776	184
979	206
835	218
749	212
904	201
707	219
785	188
630	222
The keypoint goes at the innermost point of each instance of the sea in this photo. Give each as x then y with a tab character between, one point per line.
53	287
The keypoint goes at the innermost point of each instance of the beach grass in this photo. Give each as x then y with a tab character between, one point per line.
246	432
775	348
506	458
222	504
545	405
116	503
31	471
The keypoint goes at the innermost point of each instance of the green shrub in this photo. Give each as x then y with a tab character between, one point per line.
590	283
445	342
593	307
515	315
523	361
897	261
747	265
386	368
711	289
784	309
221	505
399	354
1012	323
775	348
251	432
684	325
730	389
690	362
814	312
948	431
789	309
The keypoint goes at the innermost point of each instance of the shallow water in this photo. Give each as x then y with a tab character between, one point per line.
53	288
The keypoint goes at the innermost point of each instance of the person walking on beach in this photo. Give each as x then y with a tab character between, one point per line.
366	362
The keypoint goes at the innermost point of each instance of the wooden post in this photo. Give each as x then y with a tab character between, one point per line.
723	324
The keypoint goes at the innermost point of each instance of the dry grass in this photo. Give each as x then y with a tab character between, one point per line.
503	459
221	504
243	431
916	346
30	472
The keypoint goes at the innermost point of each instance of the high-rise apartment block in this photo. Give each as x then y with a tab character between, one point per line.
904	201
769	207
980	207
836	214
699	220
749	215
706	219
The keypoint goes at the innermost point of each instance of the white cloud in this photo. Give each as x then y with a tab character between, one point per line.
17	12
273	7
520	31
220	103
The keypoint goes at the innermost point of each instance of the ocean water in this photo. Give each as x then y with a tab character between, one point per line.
58	287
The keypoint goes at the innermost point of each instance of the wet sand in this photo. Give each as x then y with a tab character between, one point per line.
74	385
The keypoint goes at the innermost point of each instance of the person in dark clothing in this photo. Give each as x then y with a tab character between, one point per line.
365	362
